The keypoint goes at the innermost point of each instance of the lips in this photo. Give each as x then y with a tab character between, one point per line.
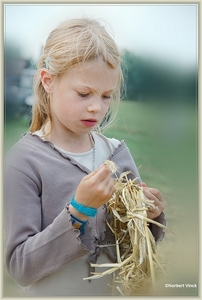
89	122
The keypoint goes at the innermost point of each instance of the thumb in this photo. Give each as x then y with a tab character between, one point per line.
91	174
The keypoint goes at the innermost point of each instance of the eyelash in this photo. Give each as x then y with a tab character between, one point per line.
83	95
107	97
86	95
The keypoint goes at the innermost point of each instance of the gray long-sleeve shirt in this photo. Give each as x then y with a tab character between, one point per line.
42	247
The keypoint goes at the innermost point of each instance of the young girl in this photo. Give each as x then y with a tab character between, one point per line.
56	186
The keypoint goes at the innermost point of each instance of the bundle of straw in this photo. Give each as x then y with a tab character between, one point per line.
137	264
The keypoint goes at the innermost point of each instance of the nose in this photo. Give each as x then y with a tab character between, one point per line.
95	104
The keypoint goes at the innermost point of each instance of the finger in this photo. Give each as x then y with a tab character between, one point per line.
158	201
110	186
157	194
157	209
142	184
91	174
106	187
102	174
159	204
152	194
153	213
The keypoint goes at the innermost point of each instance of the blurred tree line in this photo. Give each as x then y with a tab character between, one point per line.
151	80
146	80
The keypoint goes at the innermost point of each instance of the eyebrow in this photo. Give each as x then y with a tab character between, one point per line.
87	87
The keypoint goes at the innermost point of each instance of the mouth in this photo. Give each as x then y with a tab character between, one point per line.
89	122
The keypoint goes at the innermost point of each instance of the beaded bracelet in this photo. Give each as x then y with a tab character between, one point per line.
86	210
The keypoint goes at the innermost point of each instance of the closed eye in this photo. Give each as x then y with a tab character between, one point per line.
83	95
106	97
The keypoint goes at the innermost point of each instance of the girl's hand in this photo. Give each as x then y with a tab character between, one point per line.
154	195
94	190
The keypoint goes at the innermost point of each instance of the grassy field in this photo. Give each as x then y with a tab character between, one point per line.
163	142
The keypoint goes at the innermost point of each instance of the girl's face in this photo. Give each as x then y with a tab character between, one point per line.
81	97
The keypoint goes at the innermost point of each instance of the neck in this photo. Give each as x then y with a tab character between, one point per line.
69	141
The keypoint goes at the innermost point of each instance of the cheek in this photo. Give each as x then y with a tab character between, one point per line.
61	103
61	109
72	112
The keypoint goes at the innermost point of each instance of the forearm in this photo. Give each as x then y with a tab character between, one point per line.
46	251
33	249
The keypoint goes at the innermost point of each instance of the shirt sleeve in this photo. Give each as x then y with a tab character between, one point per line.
33	252
125	162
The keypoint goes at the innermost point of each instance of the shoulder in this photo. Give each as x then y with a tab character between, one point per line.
111	146
31	142
120	155
27	150
26	144
103	140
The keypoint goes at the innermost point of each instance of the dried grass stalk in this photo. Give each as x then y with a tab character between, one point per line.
137	264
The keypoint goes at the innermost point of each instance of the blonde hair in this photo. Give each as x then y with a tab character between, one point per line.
75	41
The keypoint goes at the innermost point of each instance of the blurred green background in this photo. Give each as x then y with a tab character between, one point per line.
163	139
158	116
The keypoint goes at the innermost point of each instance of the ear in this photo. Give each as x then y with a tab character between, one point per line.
46	80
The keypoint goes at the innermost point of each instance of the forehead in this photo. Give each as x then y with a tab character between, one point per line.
96	74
